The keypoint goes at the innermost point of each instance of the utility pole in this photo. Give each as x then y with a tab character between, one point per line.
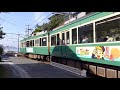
19	35
26	33
28	29
18	42
49	46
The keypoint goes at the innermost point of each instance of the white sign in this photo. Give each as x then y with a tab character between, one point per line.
29	49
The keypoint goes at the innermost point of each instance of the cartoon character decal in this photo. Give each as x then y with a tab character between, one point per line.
98	52
111	53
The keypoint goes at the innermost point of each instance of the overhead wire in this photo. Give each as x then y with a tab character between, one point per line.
11	23
4	16
38	18
42	20
33	21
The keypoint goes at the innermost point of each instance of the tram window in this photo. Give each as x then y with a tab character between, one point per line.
108	30
85	34
63	38
74	36
44	41
27	44
58	39
53	40
67	37
30	43
33	43
40	42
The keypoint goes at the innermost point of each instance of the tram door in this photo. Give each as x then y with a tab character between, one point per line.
65	42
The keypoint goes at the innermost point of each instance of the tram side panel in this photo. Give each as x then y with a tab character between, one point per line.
102	59
104	62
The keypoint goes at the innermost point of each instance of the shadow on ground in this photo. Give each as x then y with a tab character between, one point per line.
34	69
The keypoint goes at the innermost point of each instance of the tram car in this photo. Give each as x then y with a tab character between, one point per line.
91	42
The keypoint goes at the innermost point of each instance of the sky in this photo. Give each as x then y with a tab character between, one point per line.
16	22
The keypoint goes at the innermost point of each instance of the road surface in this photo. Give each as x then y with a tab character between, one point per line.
18	67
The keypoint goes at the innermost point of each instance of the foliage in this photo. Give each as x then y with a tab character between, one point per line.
38	28
45	26
55	21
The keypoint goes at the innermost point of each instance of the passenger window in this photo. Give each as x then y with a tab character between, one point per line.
58	39
30	43
67	37
85	34
40	42
74	36
108	30
53	40
63	38
27	44
33	43
44	41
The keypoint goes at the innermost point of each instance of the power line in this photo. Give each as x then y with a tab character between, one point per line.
15	34
4	16
42	20
11	23
17	39
37	18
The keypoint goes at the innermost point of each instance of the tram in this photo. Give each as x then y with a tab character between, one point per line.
91	42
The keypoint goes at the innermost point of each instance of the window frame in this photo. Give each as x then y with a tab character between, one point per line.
55	39
84	26
76	27
102	21
46	41
66	37
62	38
94	30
